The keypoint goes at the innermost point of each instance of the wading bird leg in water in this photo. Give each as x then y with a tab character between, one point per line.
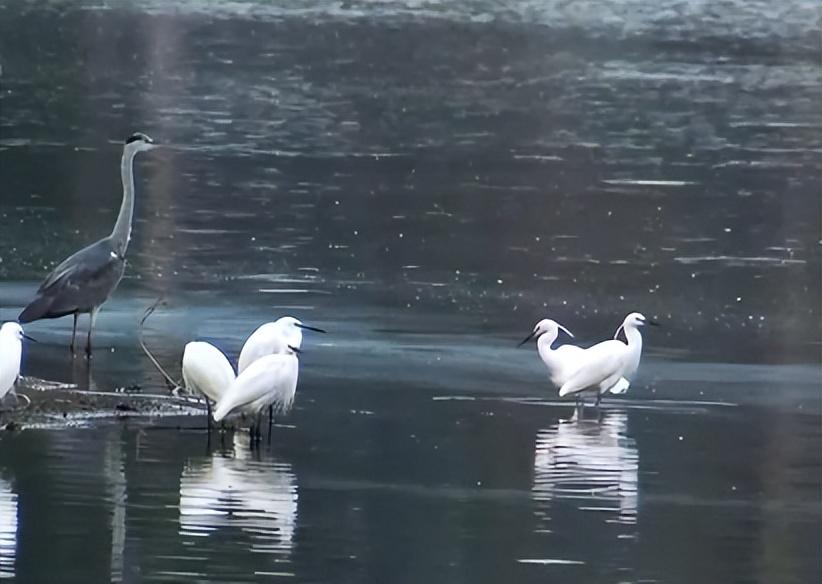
74	334
92	317
599	399
270	421
208	420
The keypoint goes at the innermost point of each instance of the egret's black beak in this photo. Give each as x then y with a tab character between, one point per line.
310	328
28	338
652	322
528	338
295	349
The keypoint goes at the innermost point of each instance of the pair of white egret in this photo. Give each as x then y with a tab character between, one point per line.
607	367
266	378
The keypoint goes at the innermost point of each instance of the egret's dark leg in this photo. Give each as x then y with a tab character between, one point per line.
208	420
92	316
73	335
599	399
270	421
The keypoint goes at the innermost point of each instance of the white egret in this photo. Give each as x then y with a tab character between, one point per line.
561	362
273	338
208	371
268	381
11	354
606	363
565	360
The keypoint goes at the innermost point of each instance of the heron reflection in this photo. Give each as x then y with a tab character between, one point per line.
257	496
590	460
8	529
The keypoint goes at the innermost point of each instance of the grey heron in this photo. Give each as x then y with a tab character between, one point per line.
85	280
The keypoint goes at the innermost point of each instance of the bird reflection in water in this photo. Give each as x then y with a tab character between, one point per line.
237	489
8	529
589	460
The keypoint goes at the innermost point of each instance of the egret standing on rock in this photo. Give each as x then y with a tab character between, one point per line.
11	354
85	280
606	363
270	381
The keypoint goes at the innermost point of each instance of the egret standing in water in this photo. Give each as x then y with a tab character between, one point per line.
85	280
270	381
562	361
11	354
605	364
273	338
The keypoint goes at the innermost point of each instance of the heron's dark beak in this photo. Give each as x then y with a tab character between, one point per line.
652	322
28	338
528	338
295	349
310	328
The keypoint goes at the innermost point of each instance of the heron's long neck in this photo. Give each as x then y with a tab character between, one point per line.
122	229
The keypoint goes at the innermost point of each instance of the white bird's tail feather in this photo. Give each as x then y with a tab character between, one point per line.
621	386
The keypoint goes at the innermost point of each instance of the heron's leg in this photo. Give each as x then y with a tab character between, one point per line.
73	335
92	316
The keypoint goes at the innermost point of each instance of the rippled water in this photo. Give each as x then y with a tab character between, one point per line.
425	180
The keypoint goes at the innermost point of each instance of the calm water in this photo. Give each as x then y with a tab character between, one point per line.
426	180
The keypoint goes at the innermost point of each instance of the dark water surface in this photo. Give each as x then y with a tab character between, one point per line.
426	180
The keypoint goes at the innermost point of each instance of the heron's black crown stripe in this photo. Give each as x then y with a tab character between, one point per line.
134	138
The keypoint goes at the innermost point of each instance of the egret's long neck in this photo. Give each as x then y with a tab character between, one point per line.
544	343
122	229
634	338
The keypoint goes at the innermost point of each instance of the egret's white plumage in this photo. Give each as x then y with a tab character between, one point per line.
206	370
269	381
606	363
11	353
561	362
272	338
564	361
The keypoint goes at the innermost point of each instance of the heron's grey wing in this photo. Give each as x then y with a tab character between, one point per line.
78	284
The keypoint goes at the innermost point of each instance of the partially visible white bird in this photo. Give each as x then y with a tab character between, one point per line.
268	381
273	338
606	363
11	354
206	370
